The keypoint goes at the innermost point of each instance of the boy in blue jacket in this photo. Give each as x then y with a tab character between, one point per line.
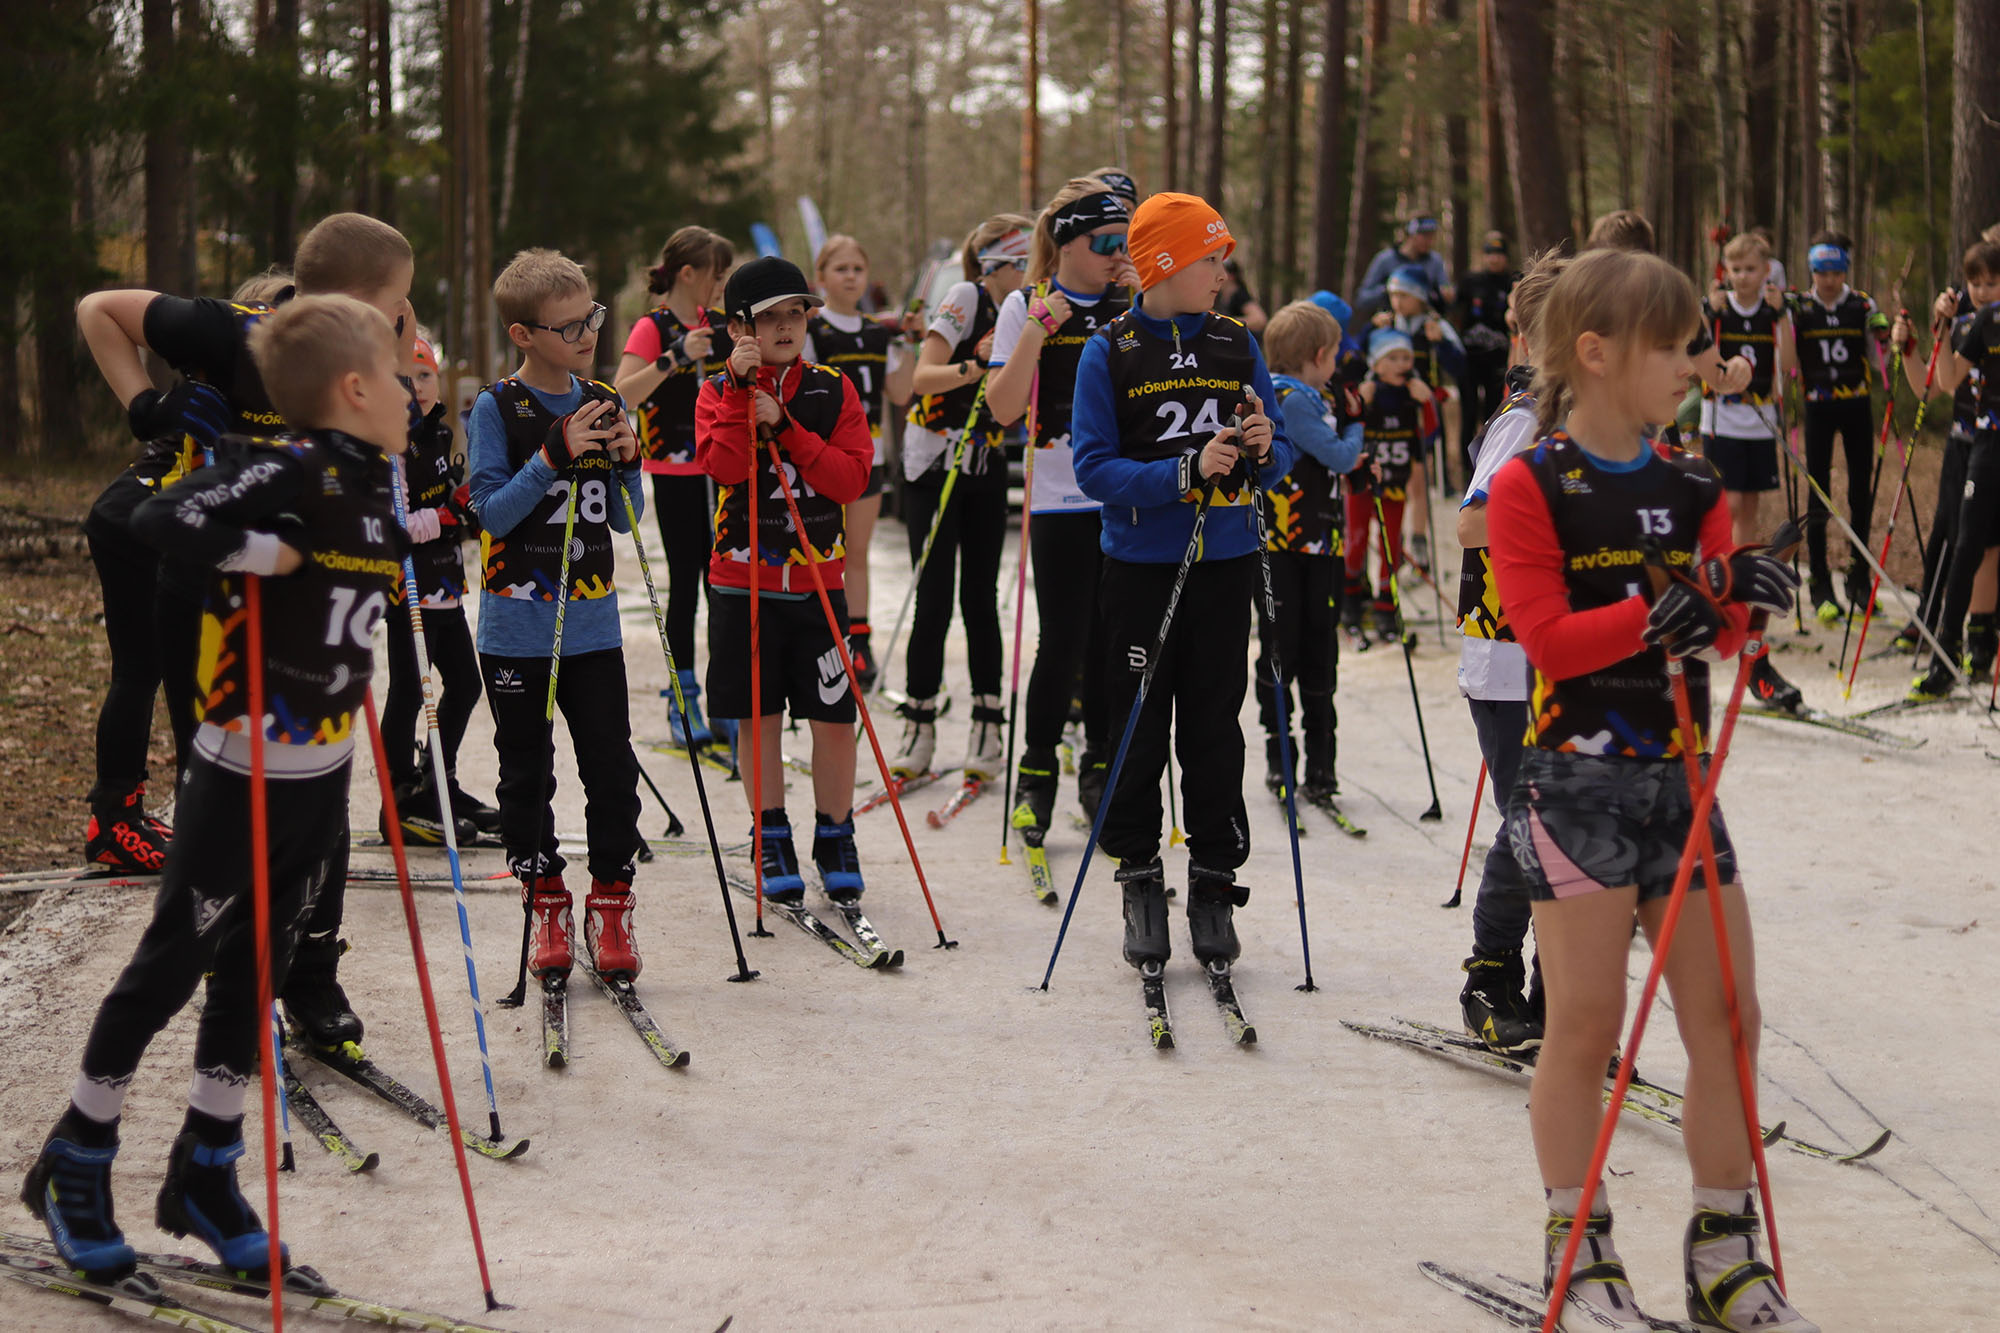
1304	539
1168	415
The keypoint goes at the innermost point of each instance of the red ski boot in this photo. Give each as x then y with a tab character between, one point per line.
549	950
607	929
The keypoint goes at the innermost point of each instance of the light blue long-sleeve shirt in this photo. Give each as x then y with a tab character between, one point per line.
1311	427
503	497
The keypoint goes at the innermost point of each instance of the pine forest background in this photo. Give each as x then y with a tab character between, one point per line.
185	144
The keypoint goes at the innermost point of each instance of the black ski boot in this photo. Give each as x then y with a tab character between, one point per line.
1934	685
1771	690
1146	939
1090	774
421	819
1982	638
1860	579
1036	788
1213	896
313	998
1385	622
1495	1010
1277	773
469	809
69	1189
1352	608
201	1199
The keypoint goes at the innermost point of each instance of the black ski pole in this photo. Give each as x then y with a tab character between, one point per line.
1284	726
744	972
1131	724
674	826
514	999
1436	811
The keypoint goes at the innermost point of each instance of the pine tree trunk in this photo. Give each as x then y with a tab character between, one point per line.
1975	122
1683	234
1288	239
12	441
1835	204
279	177
165	155
1534	134
1806	65
1361	212
1218	105
1457	147
1191	159
1267	160
54	289
1763	160
1492	132
1170	138
385	103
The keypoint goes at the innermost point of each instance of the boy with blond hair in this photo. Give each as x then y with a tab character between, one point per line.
314	511
542	443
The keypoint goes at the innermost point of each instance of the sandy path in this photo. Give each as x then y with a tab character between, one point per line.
949	1148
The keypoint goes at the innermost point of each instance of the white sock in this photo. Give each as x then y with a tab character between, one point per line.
100	1099
219	1093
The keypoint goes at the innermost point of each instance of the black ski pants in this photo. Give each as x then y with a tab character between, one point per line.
1306	638
590	691
1196	694
1501	910
681	505
1068	555
1852	421
965	557
449	643
1978	531
1944	523
204	919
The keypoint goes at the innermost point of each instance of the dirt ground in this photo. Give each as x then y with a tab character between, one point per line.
949	1147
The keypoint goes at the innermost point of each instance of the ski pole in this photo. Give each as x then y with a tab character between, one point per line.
1174	835
1436	810
1020	609
1132	722
1284	722
260	899
930	538
1704	805
1895	506
450	1101
441	780
285	1160
743	970
515	998
854	683
1431	487
674	826
1471	826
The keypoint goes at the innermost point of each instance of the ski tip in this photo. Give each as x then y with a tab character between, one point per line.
1248	1037
1163	1039
1774	1133
1864	1154
368	1163
555	1060
932	818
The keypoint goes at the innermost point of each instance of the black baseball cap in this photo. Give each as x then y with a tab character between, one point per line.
762	283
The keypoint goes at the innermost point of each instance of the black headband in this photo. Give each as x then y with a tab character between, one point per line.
1121	184
1081	216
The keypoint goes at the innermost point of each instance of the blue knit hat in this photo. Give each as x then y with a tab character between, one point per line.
1384	341
1342	312
1412	280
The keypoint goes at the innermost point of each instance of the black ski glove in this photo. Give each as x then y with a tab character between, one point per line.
1752	576
190	408
1683	621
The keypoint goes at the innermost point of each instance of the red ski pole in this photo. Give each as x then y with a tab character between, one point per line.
260	903
1465	857
854	684
1704	805
395	831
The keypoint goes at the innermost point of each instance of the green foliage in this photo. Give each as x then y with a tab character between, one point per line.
1890	107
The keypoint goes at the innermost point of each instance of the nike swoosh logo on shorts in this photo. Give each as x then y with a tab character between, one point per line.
831	692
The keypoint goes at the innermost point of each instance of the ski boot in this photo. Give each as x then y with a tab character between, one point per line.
783	884
1384	613
865	670
1907	638
69	1189
1599	1297
837	860
467	808
1417	550
1352	611
1934	685
607	930
691	731
919	747
1860	582
1982	639
550	952
1495	1010
1771	690
1819	595
1213	896
200	1198
1728	1286
983	759
1035	784
1277	773
1320	785
1091	771
1146	938
123	836
420	818
313	998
